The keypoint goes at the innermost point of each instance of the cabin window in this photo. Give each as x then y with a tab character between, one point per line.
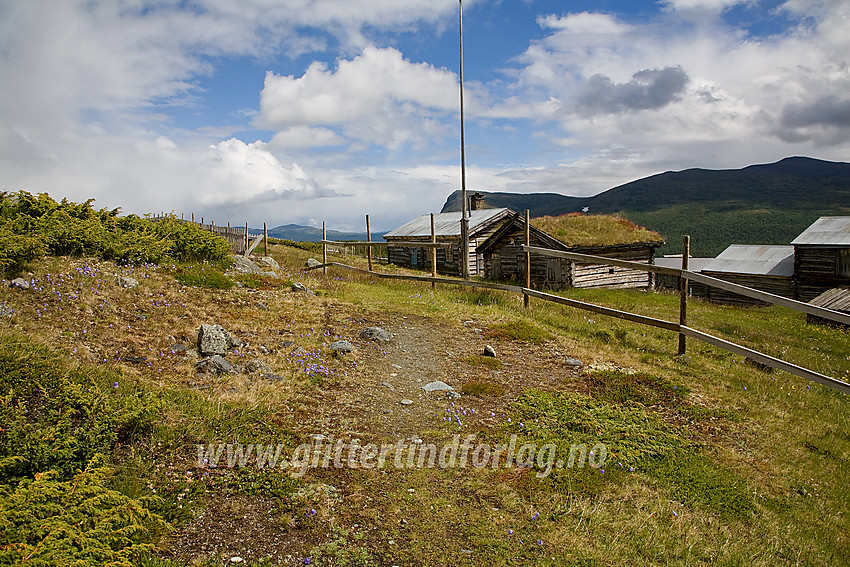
844	263
449	255
414	260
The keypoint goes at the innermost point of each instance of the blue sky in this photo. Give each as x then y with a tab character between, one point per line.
301	111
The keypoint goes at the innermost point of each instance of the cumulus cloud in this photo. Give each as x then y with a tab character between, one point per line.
648	89
377	97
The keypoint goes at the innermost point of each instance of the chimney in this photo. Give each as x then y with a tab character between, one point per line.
476	202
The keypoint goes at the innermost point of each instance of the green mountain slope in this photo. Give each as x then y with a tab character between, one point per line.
759	204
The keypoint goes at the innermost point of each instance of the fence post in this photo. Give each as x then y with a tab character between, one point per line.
246	239
324	248
526	298
433	254
683	292
193	217
369	239
265	240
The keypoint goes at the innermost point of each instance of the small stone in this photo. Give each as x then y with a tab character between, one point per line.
341	347
267	262
262	306
300	287
286	344
802	492
452	394
6	312
313	263
236	559
387	385
20	282
489	351
436	386
573	362
127	282
376	334
406	402
216	364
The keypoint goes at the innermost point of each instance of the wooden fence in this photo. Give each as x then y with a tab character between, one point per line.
680	327
241	242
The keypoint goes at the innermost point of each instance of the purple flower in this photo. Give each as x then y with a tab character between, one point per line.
510	532
115	384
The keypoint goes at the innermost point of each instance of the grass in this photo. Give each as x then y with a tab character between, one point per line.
729	465
575	229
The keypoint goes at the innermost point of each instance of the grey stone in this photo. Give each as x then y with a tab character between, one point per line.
452	395
298	286
573	362
243	265
215	364
258	366
436	386
233	342
262	306
376	334
286	344
299	351
127	282
489	351
179	348
6	312
406	402
313	263
341	347
20	282
272	275
213	339
387	385
267	262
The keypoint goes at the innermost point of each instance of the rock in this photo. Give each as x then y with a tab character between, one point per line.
236	559
258	366
272	275
437	386
262	306
286	344
313	263
178	348
233	342
341	347
6	312
299	351
376	334
489	351
267	262
243	265
215	364
406	402
298	286
127	282
213	339
573	362
452	395
20	282
387	385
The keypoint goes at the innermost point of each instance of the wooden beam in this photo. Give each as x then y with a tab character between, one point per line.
526	301
591	259
324	247
369	240
433	254
683	292
402	244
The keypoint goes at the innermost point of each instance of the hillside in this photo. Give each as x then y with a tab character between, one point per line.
300	233
759	204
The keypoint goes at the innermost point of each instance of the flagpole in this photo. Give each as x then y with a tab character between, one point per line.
464	221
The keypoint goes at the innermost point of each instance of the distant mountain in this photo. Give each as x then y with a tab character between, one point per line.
301	233
759	204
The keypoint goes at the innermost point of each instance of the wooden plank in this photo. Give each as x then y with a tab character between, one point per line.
254	244
589	258
769	360
670	326
400	244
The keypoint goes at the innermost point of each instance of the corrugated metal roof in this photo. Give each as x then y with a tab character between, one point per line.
754	259
837	298
694	264
826	231
445	224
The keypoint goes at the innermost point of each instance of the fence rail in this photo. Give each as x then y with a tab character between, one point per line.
680	328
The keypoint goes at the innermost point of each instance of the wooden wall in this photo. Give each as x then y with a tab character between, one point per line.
818	269
776	285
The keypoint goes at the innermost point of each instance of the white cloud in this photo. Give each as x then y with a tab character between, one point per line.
377	97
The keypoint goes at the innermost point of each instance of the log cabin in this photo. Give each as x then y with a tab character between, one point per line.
822	257
762	267
599	235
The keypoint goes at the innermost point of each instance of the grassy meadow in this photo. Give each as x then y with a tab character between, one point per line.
709	460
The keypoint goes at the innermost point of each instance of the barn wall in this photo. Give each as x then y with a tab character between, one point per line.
783	286
818	269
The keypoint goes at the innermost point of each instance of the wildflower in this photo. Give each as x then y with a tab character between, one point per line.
114	384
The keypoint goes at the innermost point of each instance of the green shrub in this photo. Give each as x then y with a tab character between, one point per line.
207	275
518	331
190	241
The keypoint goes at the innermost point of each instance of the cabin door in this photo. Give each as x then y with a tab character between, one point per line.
414	259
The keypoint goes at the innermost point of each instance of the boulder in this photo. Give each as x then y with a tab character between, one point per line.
313	263
341	347
375	334
436	386
213	339
489	351
215	364
298	286
6	312
243	265
20	282
267	262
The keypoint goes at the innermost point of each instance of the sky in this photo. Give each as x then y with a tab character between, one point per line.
303	111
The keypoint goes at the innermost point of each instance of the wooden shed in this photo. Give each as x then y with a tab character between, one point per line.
762	267
482	224
600	235
822	257
837	299
664	281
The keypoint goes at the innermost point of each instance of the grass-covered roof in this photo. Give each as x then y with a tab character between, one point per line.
577	229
